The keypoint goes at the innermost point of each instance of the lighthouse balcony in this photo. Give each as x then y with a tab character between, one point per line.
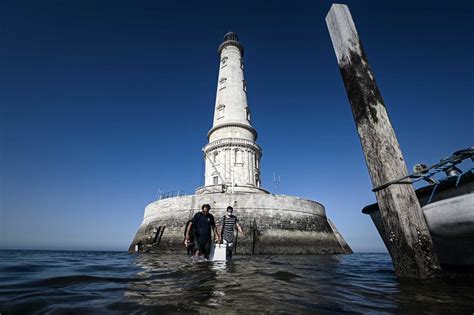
232	142
229	189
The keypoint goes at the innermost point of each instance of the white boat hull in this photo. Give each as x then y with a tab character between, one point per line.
449	214
451	225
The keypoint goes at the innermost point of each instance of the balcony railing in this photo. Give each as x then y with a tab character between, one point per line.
231	142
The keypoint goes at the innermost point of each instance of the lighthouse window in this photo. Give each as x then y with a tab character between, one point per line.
222	83
247	110
241	64
244	85
215	180
220	111
224	60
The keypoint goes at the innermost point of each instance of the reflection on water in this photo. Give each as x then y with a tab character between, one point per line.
174	281
357	283
32	281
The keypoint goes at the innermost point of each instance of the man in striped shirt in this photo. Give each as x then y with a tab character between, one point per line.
226	232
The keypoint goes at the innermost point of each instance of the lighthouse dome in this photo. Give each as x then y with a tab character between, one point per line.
231	39
231	36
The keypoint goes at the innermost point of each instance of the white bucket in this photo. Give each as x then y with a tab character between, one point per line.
218	252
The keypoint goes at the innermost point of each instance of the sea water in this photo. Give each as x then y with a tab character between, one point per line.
116	282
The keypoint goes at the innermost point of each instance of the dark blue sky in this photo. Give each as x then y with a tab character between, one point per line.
105	102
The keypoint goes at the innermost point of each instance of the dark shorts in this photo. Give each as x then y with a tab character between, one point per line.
202	245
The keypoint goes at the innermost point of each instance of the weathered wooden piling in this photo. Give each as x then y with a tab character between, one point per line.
410	244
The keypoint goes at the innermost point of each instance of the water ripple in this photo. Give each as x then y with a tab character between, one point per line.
111	282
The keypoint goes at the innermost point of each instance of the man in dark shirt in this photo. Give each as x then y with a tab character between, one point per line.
202	222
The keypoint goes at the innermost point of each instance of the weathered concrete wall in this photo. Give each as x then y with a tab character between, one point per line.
273	224
341	240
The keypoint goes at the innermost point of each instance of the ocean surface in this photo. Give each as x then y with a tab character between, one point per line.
56	282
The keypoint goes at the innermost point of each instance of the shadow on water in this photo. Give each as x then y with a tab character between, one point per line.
88	282
437	296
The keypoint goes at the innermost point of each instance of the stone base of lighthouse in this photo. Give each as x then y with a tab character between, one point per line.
273	224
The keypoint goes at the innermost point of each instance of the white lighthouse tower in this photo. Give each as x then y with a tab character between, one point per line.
276	224
232	157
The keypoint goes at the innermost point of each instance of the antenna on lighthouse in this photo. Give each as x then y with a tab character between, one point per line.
277	181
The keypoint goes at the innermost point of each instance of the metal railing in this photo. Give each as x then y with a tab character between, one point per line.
446	165
171	194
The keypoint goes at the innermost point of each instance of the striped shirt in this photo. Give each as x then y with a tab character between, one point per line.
228	223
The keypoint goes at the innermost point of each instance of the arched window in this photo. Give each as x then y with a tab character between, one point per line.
214	157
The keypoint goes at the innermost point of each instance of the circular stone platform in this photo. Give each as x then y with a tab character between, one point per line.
273	224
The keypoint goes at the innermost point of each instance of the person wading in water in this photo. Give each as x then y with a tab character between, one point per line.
202	223
228	223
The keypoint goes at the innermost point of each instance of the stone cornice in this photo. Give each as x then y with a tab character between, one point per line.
231	43
232	142
232	124
223	189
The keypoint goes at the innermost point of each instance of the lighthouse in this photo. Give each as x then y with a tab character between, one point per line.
232	157
275	224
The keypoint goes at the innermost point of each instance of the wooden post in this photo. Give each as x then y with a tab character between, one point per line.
411	246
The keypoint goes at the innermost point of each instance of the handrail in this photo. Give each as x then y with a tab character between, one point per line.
444	165
171	194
